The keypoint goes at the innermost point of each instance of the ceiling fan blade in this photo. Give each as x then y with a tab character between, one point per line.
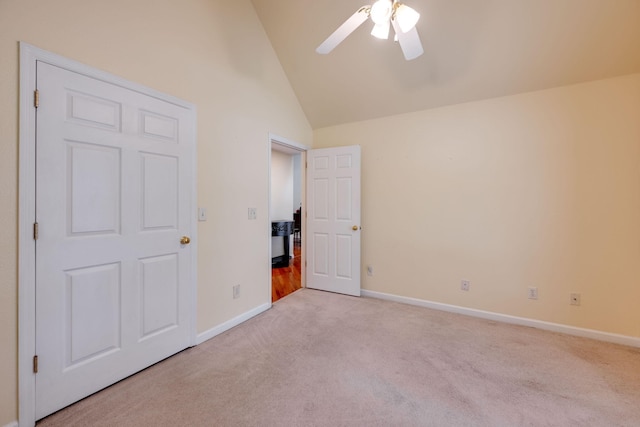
409	42
348	27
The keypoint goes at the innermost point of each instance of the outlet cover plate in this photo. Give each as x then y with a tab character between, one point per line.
574	299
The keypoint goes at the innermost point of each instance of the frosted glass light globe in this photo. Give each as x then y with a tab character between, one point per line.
381	11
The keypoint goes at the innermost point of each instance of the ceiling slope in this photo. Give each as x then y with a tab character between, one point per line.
474	49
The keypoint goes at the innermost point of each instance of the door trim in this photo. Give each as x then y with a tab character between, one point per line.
293	147
29	55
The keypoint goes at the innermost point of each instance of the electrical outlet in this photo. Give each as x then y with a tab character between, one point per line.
236	291
465	285
574	299
369	270
253	213
532	292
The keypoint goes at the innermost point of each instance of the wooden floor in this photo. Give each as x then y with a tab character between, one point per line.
285	280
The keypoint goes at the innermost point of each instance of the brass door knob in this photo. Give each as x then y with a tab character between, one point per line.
354	228
185	240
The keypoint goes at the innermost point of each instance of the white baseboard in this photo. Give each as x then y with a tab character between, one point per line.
539	324
207	335
12	424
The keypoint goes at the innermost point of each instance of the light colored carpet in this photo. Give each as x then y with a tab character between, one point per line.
321	359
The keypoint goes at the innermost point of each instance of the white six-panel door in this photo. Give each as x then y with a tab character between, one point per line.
333	219
113	200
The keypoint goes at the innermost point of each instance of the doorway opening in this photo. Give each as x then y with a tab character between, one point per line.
287	162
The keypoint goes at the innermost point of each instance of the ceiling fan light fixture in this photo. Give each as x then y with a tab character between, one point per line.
381	31
385	14
381	11
406	17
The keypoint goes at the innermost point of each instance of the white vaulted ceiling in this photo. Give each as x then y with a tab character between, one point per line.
474	49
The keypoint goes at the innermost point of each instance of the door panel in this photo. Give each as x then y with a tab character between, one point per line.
320	254
93	183
333	194
344	250
159	192
89	110
113	197
93	297
159	294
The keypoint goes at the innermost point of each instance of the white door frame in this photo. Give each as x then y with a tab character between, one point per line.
293	147
29	55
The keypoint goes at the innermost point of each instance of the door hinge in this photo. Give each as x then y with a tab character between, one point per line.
35	364
35	231
36	98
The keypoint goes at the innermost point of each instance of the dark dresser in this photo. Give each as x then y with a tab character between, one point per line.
282	228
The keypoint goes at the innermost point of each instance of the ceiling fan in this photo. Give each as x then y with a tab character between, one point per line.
383	13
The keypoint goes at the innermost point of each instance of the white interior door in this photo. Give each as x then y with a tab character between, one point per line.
113	199
333	219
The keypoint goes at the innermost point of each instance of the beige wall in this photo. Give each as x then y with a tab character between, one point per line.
212	53
540	189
